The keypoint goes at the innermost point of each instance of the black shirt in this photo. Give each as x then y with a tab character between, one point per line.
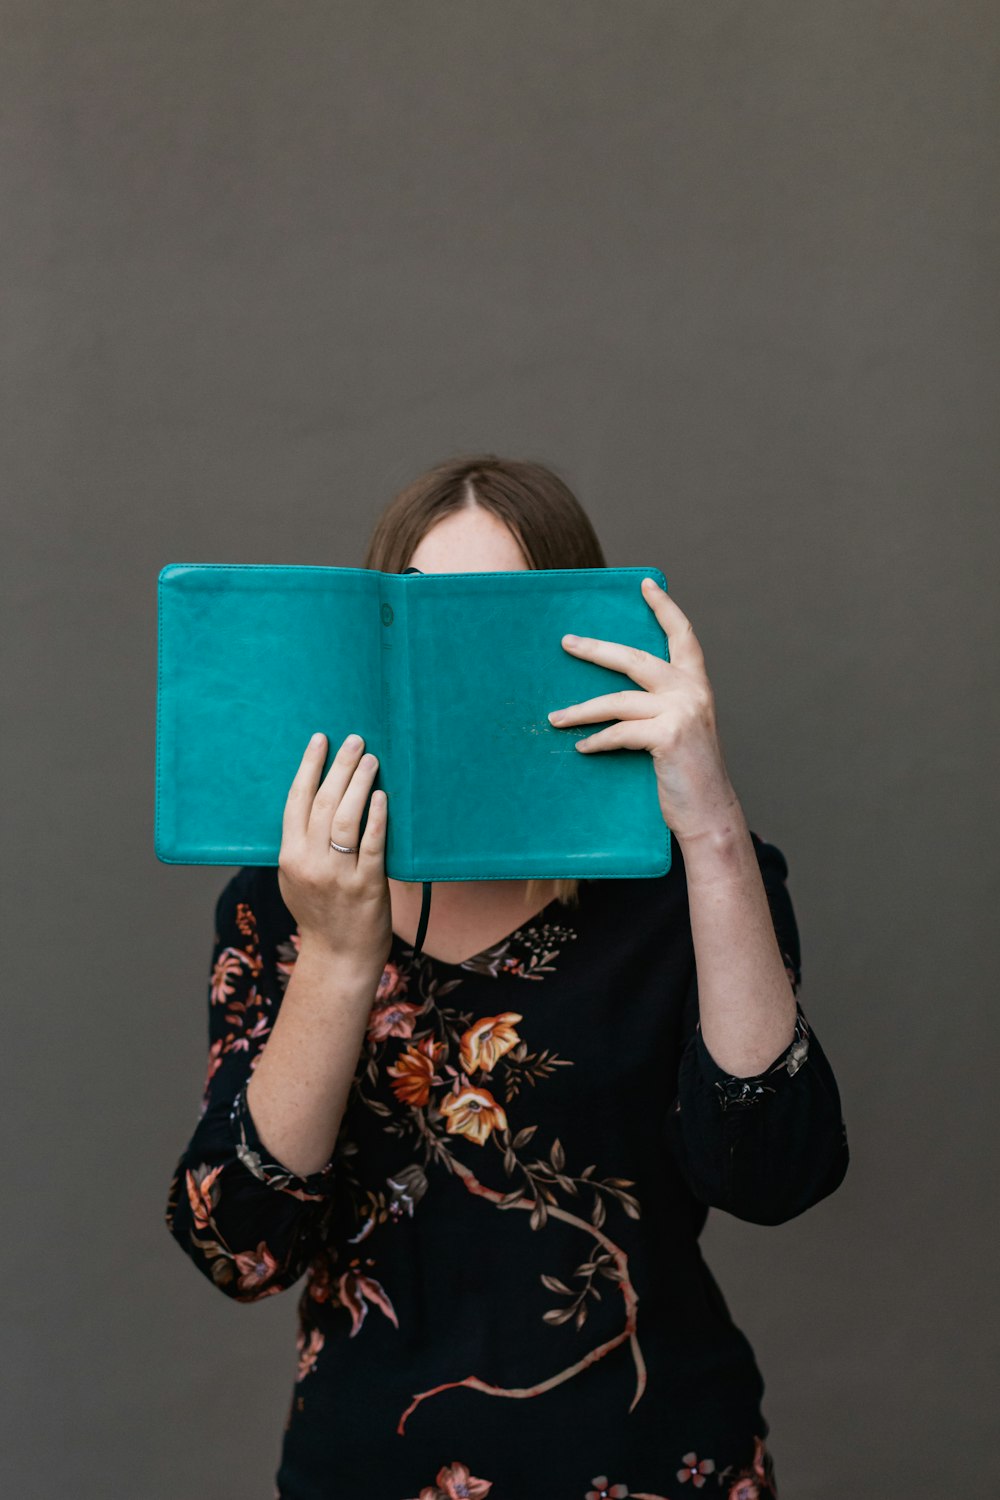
505	1294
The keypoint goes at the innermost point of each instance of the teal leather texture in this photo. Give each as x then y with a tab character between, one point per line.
448	676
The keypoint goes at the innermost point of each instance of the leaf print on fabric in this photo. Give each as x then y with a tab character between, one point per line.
248	1274
353	1289
600	1263
541	1203
525	954
354	1286
309	1349
529	1067
231	961
232	988
541	1177
406	1188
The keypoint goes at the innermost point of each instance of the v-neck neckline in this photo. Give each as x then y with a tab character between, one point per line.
484	953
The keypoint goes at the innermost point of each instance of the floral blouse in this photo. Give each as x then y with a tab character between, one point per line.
504	1292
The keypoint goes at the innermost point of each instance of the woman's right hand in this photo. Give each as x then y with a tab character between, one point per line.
340	901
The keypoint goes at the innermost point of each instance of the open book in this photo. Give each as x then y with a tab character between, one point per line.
448	676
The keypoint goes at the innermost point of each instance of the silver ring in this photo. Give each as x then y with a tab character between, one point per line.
345	848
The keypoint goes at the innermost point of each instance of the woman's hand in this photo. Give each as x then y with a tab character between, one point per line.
672	715
340	901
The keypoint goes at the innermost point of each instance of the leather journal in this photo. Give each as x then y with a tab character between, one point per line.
448	676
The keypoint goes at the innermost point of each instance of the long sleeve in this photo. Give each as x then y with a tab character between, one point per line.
764	1148
246	1221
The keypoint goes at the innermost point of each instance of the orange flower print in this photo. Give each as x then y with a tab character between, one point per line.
454	1482
474	1113
254	1267
395	1018
214	1064
201	1194
486	1042
414	1071
694	1470
226	972
604	1491
354	1286
308	1352
392	982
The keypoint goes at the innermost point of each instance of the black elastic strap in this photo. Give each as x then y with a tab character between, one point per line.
425	911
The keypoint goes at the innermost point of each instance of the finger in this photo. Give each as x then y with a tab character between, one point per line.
331	790
682	643
627	736
649	671
295	819
345	825
627	704
372	844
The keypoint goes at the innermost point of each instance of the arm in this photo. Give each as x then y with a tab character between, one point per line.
766	1139
763	1136
250	1219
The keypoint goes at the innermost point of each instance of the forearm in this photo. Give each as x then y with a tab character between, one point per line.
746	1002
298	1092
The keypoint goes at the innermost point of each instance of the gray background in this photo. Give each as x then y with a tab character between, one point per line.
732	270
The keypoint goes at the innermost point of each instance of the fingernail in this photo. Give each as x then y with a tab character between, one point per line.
315	739
571	640
353	741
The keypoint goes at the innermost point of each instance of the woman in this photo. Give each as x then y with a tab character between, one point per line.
493	1155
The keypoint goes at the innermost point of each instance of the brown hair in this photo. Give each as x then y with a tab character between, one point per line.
538	507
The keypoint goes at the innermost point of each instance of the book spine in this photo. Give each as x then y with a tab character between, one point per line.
396	715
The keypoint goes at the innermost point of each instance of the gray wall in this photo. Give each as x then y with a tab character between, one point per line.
732	269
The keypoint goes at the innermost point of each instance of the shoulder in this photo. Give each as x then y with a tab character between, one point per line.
256	887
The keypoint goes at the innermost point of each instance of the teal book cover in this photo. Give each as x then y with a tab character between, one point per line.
448	676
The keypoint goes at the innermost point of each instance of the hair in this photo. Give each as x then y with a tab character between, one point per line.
538	507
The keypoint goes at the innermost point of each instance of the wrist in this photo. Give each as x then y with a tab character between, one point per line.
718	848
720	822
323	959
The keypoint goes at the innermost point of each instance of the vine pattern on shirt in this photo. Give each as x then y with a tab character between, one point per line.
453	1078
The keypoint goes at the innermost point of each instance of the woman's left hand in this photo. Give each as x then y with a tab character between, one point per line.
671	714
